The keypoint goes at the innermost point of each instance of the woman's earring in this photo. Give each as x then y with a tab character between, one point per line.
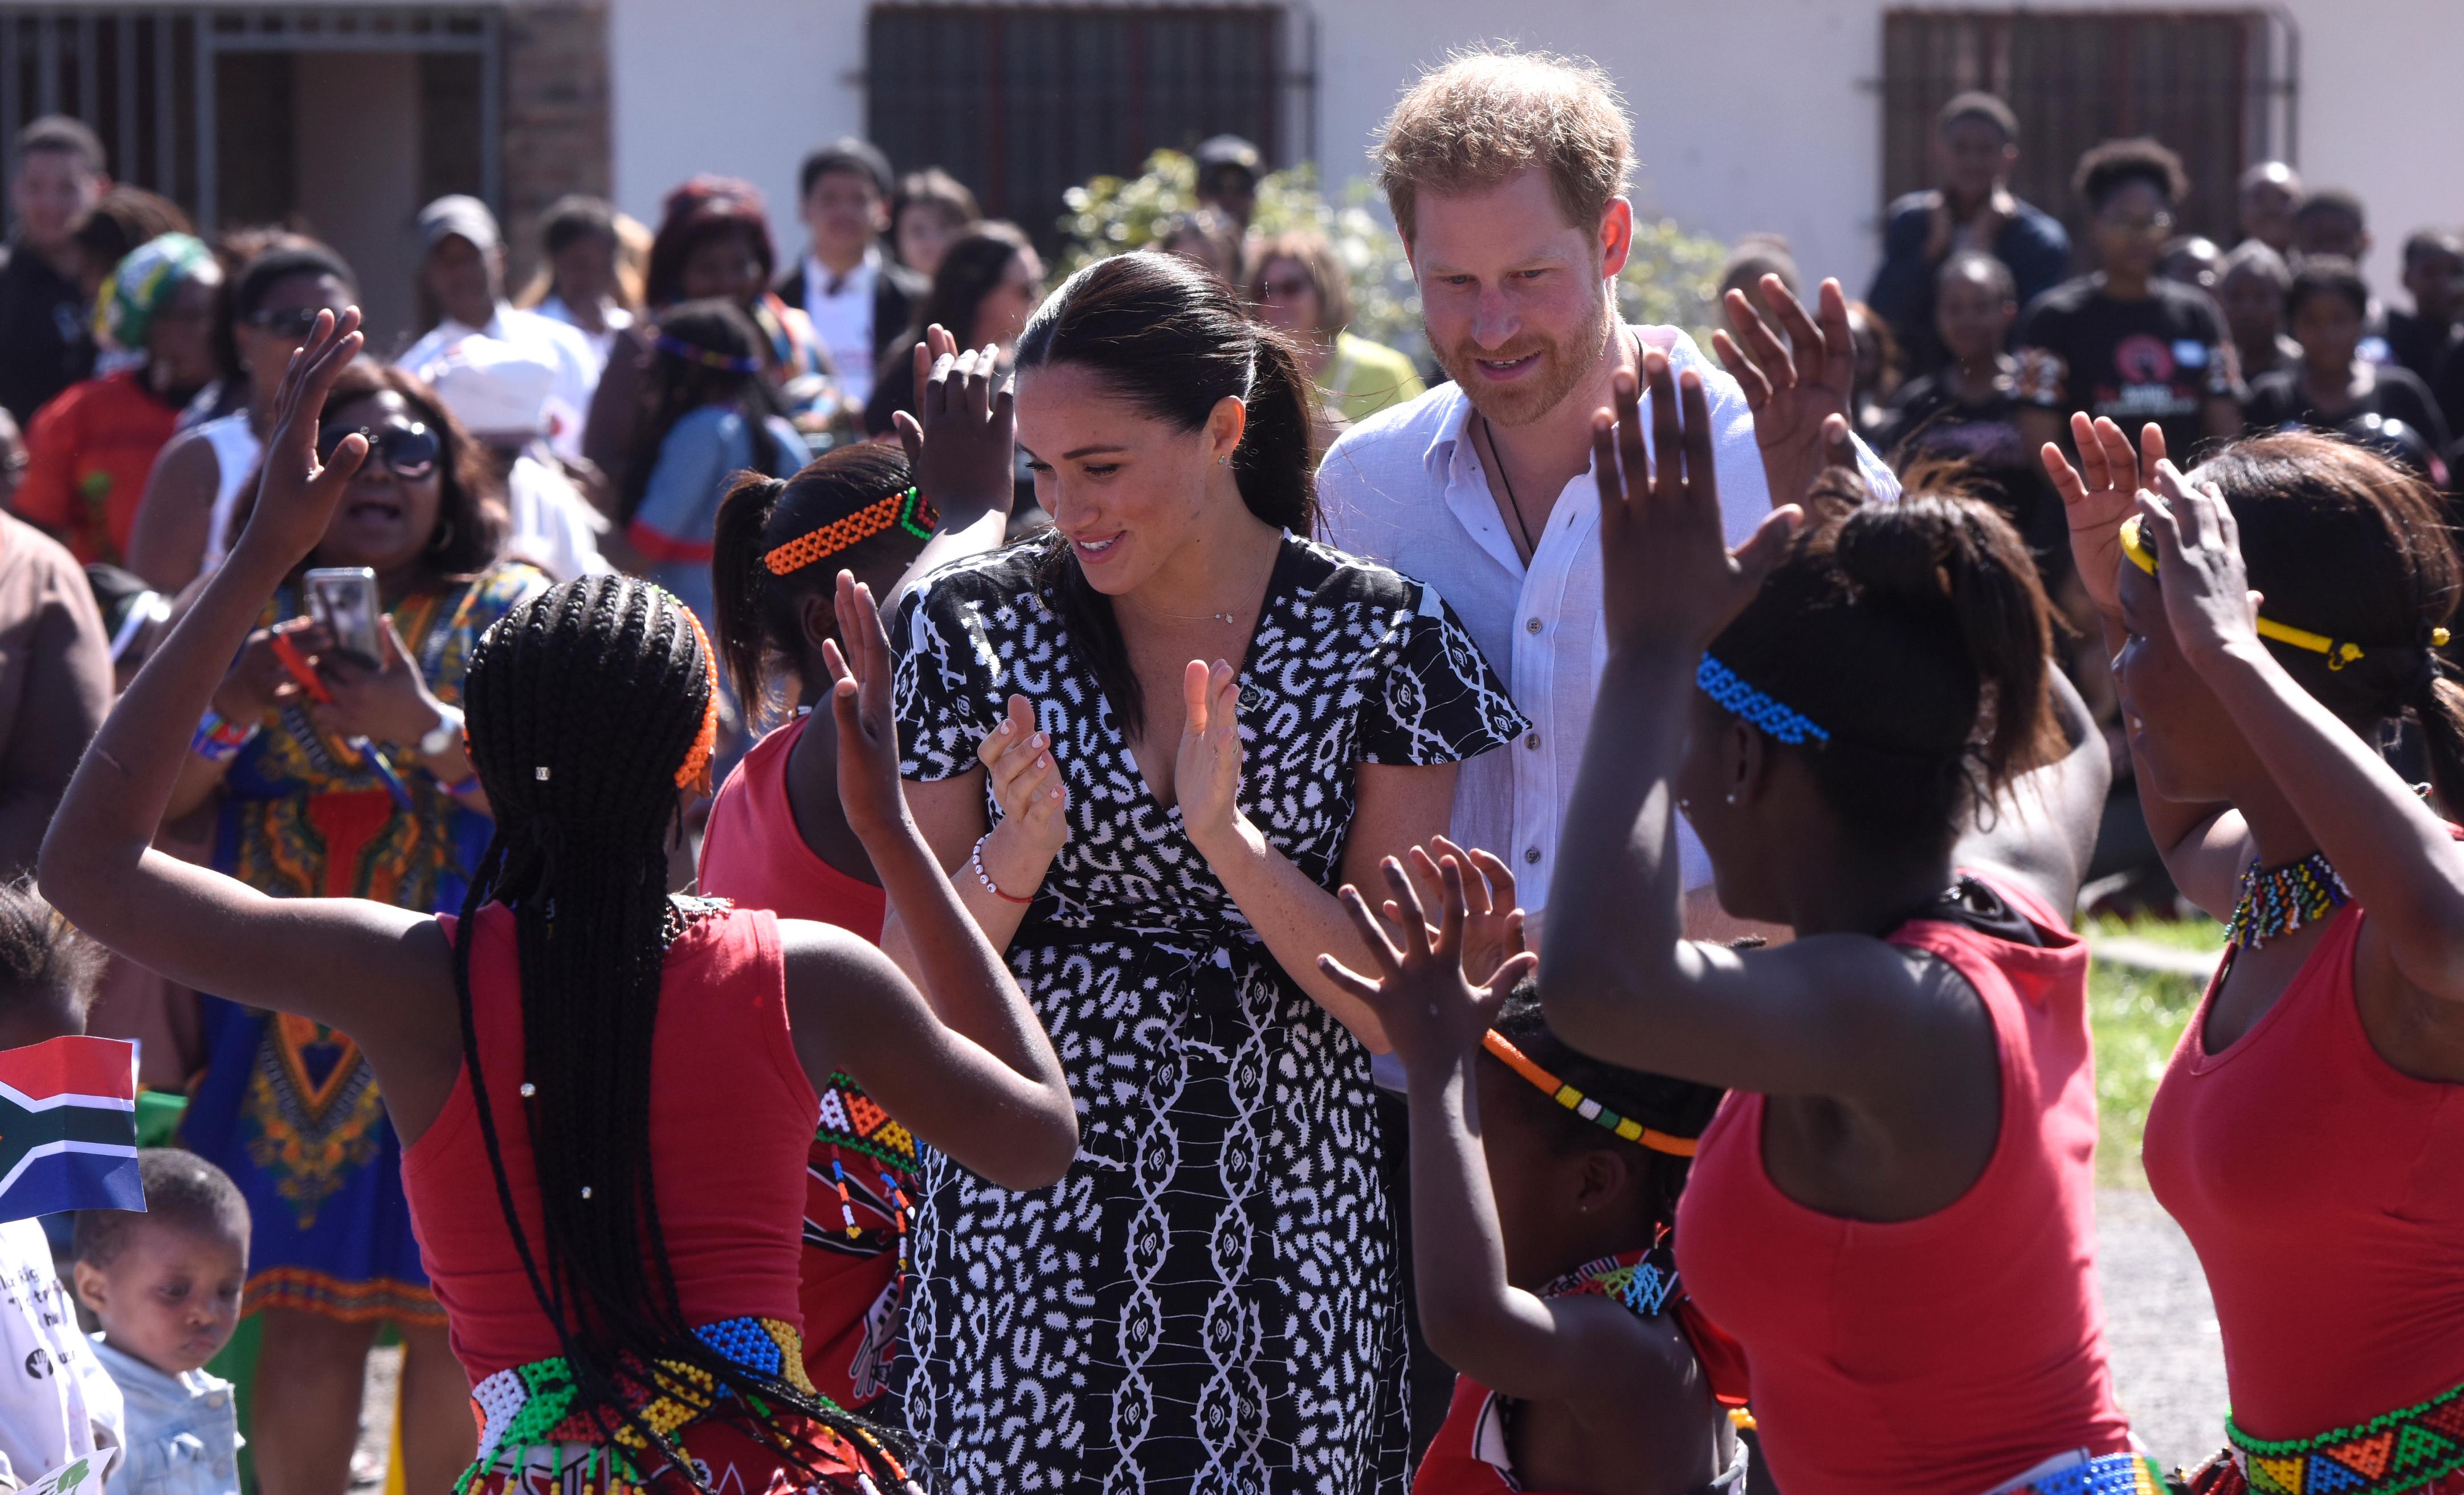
1732	796
1226	460
441	539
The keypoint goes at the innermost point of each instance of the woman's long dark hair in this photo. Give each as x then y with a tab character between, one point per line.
1172	342
681	383
760	613
2347	543
471	522
585	703
1917	634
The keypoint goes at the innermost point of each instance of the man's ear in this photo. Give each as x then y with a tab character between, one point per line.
1617	237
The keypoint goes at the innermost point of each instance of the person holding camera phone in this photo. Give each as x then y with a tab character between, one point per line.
346	776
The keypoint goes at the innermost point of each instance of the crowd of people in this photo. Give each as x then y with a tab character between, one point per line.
870	875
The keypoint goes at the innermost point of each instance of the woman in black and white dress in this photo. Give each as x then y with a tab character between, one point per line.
1150	742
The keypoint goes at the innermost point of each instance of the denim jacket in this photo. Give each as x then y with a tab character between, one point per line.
183	1431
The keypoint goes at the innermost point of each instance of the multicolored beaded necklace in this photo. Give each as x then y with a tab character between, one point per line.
2278	900
1641	1281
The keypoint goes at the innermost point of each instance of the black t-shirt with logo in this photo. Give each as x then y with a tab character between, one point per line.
1929	423
2160	359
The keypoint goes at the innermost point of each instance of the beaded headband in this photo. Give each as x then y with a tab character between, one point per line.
1785	723
708	357
1583	1106
908	509
695	771
2339	652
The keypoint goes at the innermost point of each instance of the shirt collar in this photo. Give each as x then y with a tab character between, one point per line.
858	278
1449	433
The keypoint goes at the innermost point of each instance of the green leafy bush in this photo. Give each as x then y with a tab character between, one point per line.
1671	277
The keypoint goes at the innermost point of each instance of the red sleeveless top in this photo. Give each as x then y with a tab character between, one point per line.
1946	1354
752	855
2325	1193
731	1114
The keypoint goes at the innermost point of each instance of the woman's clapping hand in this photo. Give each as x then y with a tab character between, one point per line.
1026	781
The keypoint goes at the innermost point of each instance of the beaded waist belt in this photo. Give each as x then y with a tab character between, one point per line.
2108	1474
532	1406
2397	1451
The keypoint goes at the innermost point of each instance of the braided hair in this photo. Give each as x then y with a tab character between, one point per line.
590	707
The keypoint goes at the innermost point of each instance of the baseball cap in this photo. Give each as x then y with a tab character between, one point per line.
457	216
1216	152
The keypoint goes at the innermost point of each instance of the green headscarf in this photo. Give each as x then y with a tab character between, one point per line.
142	284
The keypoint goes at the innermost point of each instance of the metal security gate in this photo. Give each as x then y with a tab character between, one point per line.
2220	87
1021	102
181	96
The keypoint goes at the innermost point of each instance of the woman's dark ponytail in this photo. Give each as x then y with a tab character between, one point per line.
737	580
1916	637
1275	464
2440	711
1959	560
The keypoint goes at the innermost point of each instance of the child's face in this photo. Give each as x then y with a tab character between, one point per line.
170	1297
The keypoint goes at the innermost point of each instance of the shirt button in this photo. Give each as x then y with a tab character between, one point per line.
1532	853
1531	624
1533	741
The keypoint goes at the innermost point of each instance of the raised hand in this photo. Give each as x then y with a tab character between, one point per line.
860	668
1668	571
2101	492
2207	600
1794	378
295	497
1206	772
1026	781
1492	920
961	441
1431	1011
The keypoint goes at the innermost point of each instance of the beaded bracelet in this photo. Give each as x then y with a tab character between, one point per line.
219	741
986	878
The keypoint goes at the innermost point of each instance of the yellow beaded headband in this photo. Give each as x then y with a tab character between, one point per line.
2339	652
908	509
1583	1106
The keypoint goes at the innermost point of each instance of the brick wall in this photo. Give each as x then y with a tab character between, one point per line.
556	118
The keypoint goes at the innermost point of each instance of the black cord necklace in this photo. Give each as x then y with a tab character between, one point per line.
1513	504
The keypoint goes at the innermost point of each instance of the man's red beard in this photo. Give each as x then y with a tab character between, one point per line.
1562	366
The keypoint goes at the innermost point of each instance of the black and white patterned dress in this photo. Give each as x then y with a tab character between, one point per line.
1207	1302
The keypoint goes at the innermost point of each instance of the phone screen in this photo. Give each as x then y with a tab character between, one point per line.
344	600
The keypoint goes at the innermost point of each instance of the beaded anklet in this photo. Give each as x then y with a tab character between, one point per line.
2277	900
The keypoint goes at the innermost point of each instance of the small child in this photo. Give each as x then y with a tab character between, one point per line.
63	1407
1544	1187
165	1287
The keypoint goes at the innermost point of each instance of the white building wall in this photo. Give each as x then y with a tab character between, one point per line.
1750	114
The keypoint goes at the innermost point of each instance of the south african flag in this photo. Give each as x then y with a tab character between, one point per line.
68	1128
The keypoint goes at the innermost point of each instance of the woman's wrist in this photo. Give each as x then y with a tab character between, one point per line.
1014	865
1233	841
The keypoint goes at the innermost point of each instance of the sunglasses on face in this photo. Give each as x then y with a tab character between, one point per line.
408	448
1286	288
295	323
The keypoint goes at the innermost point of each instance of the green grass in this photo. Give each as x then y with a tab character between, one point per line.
2137	1017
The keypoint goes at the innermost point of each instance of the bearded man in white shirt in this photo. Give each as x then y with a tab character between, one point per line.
1506	176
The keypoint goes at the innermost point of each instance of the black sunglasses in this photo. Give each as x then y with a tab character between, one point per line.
291	322
406	447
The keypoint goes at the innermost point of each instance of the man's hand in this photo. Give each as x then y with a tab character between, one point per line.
1793	384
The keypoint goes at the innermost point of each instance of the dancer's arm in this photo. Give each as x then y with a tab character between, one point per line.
2040	830
1511	1341
970	1071
1830	1015
369	969
2395	854
2204	844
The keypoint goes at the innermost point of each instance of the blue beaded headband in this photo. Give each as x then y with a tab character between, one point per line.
1784	723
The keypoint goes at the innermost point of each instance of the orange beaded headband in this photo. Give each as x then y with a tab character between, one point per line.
1583	1106
908	510
695	774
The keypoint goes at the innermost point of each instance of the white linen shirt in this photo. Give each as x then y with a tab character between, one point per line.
1405	488
844	321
